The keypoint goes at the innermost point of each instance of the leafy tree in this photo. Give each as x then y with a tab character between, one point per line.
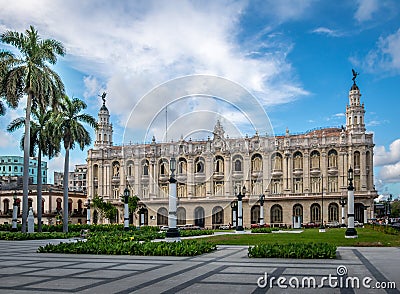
69	130
30	74
395	208
106	209
41	139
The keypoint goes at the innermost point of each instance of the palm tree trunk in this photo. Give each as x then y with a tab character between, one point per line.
65	198
25	180
39	191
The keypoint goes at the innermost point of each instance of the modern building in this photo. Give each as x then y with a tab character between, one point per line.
14	166
76	178
303	176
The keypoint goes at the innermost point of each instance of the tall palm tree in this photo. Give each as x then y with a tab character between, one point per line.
42	140
31	75
6	60
70	131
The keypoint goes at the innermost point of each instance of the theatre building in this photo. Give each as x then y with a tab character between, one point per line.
303	176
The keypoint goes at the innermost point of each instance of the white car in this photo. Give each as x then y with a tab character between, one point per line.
358	224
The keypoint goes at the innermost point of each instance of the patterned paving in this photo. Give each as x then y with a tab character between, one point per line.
228	270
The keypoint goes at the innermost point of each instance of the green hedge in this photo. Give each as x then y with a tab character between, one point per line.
293	250
125	247
189	233
17	236
386	229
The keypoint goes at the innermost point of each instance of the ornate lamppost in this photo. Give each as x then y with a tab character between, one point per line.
173	233
261	200
88	212
322	227
127	193
343	203
234	213
15	211
242	193
351	231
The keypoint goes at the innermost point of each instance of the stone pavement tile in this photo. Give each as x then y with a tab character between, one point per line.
17	270
13	262
106	274
310	271
233	278
51	264
133	266
201	288
54	272
232	269
12	281
92	265
70	284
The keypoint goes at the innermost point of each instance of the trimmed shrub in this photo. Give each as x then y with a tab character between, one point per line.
293	250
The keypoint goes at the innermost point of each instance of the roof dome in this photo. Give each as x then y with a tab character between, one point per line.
354	87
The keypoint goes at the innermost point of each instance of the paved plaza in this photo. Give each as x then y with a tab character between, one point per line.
228	270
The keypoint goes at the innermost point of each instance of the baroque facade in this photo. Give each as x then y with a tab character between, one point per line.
303	176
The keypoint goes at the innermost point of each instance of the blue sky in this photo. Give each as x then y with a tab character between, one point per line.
295	57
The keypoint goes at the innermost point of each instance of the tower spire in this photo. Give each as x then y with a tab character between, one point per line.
104	131
355	110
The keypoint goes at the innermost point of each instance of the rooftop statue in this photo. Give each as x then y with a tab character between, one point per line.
355	74
103	97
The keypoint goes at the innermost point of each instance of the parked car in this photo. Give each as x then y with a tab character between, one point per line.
333	224
358	224
311	225
225	227
396	226
164	228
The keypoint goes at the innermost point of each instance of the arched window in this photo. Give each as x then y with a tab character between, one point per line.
276	214
80	205
255	214
163	167
276	162
256	163
199	165
6	206
298	160
70	203
219	164
315	162
356	159
181	216
129	170
145	168
332	158
199	219
333	212
30	201
162	217
315	213
298	210
182	166
58	205
217	216
237	163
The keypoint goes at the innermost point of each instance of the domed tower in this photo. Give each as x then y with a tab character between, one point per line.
355	111
104	131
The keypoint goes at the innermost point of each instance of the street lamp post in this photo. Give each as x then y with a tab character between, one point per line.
242	193
262	199
343	204
126	208
88	212
322	227
234	213
15	211
351	231
172	233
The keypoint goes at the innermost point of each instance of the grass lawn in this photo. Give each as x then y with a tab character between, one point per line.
366	237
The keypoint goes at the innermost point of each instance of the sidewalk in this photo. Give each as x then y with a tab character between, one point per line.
228	270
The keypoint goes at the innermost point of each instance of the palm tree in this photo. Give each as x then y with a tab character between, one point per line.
6	60
41	138
69	130
31	75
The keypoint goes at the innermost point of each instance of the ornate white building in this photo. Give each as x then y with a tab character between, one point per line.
303	177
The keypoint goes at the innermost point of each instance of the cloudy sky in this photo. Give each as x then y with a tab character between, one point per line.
290	61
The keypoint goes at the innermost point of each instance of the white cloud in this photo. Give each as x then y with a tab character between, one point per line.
390	173
366	9
326	31
134	46
390	157
386	56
